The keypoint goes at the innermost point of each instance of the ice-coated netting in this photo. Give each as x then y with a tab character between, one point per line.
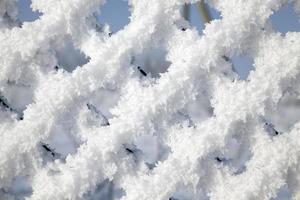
195	131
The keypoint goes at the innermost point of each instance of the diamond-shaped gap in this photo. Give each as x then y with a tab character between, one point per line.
286	113
17	94
61	143
283	194
152	150
237	151
151	62
242	64
196	17
194	112
115	13
68	56
14	100
19	189
9	15
285	20
25	12
148	150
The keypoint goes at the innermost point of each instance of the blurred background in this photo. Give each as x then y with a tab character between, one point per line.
116	14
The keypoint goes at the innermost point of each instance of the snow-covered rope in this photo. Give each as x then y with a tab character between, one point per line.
132	117
196	67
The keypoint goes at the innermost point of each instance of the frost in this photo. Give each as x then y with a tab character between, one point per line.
152	111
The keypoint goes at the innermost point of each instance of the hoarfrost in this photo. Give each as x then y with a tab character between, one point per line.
152	111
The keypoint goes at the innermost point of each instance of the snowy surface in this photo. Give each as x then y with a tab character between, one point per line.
151	112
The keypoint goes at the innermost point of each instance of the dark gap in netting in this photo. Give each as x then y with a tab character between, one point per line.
109	17
10	106
98	115
59	146
194	112
132	151
99	107
151	150
64	139
269	127
151	62
198	14
64	143
17	94
147	150
68	56
19	189
48	153
25	12
286	113
237	151
285	20
105	191
242	65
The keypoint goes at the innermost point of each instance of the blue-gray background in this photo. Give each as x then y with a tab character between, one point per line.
116	13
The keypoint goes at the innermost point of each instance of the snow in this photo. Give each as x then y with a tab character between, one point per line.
152	111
